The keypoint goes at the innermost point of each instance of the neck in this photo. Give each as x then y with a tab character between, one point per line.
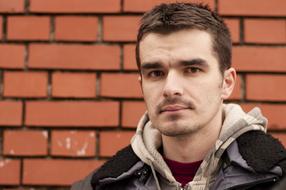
193	146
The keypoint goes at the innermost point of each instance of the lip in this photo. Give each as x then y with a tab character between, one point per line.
173	108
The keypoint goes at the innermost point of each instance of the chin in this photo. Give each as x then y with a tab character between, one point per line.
173	133
174	130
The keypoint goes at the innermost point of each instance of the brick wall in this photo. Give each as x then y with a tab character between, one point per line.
69	97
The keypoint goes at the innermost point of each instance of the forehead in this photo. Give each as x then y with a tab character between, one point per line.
182	44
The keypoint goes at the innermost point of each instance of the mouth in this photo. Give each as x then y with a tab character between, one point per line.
173	108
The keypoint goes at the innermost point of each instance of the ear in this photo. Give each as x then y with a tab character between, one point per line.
228	83
140	82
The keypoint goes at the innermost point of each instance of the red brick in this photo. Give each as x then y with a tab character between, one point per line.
12	56
253	7
11	113
75	28
25	84
281	137
56	172
269	59
233	25
129	58
12	6
25	143
82	85
115	85
275	113
28	28
265	31
73	143
144	5
132	112
120	139
237	92
71	114
120	28
9	172
75	6
266	87
104	57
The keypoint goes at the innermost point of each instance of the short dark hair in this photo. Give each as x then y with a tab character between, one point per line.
167	18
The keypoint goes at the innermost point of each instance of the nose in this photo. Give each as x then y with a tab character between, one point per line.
173	85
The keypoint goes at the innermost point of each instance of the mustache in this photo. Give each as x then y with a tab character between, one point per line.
172	101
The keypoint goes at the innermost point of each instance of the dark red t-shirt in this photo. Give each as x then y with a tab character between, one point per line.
183	172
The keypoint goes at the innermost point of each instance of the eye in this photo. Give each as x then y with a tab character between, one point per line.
155	74
192	70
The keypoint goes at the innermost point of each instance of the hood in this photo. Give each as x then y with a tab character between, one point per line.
148	140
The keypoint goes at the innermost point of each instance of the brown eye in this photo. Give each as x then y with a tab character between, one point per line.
192	70
155	74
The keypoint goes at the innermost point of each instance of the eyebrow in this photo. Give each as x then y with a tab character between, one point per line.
196	62
183	63
151	65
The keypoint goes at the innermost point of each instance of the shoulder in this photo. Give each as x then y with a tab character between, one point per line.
261	151
117	165
121	162
83	184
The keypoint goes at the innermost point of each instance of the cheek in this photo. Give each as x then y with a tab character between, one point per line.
214	95
148	97
151	98
209	92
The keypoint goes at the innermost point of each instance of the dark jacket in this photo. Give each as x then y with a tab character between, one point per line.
254	161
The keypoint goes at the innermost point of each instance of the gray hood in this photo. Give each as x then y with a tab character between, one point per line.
148	140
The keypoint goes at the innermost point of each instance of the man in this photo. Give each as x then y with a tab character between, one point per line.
188	138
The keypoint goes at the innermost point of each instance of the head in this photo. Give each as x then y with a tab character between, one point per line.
168	18
183	54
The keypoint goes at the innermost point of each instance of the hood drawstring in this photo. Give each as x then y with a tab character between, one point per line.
155	175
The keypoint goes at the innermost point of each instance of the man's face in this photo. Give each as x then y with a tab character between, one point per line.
181	81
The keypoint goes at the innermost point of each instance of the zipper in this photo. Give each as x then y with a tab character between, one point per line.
183	188
179	187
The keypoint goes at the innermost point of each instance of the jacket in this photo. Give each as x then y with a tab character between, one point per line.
244	157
